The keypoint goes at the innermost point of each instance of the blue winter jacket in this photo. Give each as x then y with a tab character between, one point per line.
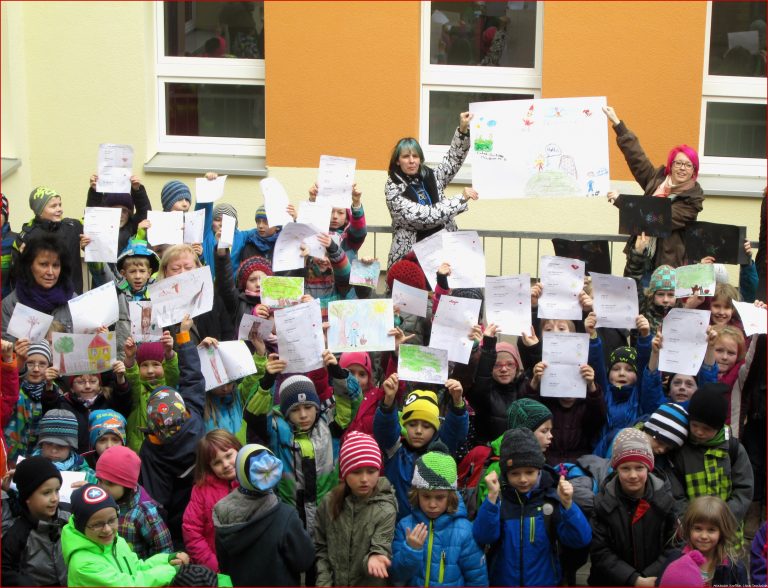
399	458
450	552
625	405
522	553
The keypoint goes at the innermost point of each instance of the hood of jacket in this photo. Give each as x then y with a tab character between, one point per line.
241	520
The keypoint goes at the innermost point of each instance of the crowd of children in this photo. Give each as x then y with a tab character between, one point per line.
348	474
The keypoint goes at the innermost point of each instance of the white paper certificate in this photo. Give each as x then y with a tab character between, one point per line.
275	202
209	190
564	353
334	181
562	279
194	225
408	299
464	251
685	341
317	214
251	324
188	293
614	300
300	336
167	228
508	303
430	254
453	322
752	317
102	225
227	232
95	308
114	168
287	255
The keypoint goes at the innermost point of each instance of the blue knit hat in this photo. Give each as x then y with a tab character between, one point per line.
297	390
101	422
668	424
172	192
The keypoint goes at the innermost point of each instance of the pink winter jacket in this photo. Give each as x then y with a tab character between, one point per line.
197	528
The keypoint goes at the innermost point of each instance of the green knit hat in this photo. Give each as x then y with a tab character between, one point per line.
527	413
662	279
435	470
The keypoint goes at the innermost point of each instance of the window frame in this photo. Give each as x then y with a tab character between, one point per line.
470	78
201	70
733	90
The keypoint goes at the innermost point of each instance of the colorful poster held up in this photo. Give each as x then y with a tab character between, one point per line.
551	147
188	293
365	274
281	291
422	364
143	328
83	354
360	325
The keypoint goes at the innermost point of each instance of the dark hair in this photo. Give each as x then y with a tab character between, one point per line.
406	144
451	507
39	244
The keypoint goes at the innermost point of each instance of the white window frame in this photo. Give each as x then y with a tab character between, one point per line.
471	78
733	90
202	70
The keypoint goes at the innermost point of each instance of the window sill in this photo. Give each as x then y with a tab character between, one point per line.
198	163
9	167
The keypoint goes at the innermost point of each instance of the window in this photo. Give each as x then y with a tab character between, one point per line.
210	77
734	92
474	52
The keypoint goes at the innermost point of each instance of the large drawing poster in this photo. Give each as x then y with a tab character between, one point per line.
549	147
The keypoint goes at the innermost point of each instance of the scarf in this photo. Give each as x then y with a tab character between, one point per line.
42	299
263	244
712	481
86	402
33	391
71	464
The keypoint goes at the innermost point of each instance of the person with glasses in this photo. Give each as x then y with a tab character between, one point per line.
676	180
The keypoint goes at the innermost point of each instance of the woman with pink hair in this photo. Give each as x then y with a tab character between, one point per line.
675	180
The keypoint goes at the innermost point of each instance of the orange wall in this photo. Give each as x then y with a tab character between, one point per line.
342	78
647	58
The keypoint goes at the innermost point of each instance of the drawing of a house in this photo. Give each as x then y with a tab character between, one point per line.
99	354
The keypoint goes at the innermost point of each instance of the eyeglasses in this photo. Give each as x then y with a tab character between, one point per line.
98	526
36	365
682	164
87	381
503	364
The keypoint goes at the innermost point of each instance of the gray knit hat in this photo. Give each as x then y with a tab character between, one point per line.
224	208
172	192
41	348
297	390
520	448
435	470
58	426
39	197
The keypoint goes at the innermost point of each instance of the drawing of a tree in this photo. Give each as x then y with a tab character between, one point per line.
33	321
62	346
342	312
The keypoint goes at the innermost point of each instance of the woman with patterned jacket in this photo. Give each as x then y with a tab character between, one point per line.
415	192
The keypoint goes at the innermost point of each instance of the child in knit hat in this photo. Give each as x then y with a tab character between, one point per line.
356	520
58	442
261	241
31	549
659	297
634	519
241	294
175	195
140	524
260	541
402	440
106	428
526	514
95	553
667	430
709	557
434	545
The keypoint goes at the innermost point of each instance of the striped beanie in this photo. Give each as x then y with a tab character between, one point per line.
41	348
662	279
527	413
261	213
435	470
422	405
297	390
6	209
669	424
632	444
58	426
255	263
257	469
224	208
358	451
39	197
172	192
101	422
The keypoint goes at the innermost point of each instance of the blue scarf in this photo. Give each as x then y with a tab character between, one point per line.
263	244
71	464
33	391
42	299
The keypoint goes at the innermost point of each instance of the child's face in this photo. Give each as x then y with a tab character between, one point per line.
223	464
303	416
125	215
722	311
262	226
701	432
681	388
185	262
664	298
658	447
523	479
543	434
419	433
338	218
726	353
116	491
622	374
53	211
505	368
705	537
137	276
253	283
632	478
216	225
106	441
54	451
102	526
151	371
36	366
555	326
182	205
362	481
360	375
44	501
433	503
86	386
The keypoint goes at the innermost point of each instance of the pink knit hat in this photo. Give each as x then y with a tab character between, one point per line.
359	451
505	347
685	571
360	358
119	465
150	352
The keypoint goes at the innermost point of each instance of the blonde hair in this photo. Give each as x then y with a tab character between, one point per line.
451	507
137	260
713	510
725	331
173	253
570	324
726	293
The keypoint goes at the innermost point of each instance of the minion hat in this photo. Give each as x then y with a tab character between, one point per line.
172	192
624	354
39	197
421	405
663	279
257	469
166	413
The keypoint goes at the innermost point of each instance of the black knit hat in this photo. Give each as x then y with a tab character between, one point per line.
624	354
195	575
519	448
32	473
708	405
87	501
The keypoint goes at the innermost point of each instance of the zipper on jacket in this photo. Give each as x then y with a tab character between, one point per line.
522	524
442	568
114	556
429	555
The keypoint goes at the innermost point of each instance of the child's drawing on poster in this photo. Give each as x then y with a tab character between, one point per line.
365	274
84	354
143	328
188	293
539	148
360	325
28	323
281	291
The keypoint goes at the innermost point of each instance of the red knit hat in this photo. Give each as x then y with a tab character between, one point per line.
119	465
407	271
150	352
358	451
250	265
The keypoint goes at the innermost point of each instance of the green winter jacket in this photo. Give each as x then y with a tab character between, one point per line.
365	527
140	393
91	564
